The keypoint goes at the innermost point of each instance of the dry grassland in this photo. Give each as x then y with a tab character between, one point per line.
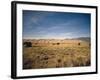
56	53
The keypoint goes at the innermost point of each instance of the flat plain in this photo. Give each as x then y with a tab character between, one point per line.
55	53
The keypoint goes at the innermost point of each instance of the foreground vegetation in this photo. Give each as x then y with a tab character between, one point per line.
56	55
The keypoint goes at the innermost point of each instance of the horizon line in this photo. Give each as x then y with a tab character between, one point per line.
58	38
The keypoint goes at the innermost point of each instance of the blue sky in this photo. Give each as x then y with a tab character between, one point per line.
55	25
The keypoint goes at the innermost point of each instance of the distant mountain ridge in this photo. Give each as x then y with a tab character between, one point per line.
87	39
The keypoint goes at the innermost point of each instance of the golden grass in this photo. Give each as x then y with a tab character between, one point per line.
48	55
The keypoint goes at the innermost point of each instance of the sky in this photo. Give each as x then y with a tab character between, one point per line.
55	25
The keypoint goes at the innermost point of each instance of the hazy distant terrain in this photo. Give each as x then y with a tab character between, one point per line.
86	39
55	53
